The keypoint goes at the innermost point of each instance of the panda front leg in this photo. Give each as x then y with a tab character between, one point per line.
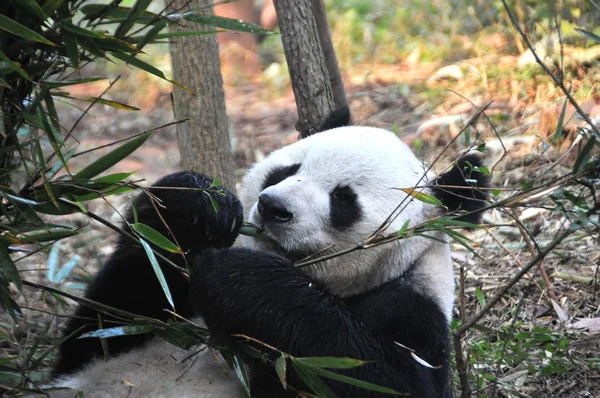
261	295
180	207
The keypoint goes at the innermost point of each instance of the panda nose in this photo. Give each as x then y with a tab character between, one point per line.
272	210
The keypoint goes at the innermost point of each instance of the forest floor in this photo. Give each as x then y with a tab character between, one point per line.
533	343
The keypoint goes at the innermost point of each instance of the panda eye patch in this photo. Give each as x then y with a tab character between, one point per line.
344	208
279	174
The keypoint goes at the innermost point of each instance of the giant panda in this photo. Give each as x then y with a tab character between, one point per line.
389	305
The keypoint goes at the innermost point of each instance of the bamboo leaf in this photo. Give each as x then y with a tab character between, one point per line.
349	380
281	369
585	154
313	381
3	83
118	331
63	83
113	104
422	196
8	267
240	371
403	228
33	7
588	34
330	362
155	237
561	120
12	65
92	11
225	23
138	63
160	36
112	158
134	12
78	30
158	271
53	262
16	28
67	268
70	42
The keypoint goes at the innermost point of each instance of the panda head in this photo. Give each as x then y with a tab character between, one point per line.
331	191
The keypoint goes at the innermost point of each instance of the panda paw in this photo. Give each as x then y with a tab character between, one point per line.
189	207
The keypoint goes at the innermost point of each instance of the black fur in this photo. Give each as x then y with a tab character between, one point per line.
341	117
344	208
279	174
449	189
259	294
127	280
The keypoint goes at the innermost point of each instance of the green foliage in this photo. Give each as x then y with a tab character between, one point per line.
43	48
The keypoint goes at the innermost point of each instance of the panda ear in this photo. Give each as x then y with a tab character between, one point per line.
339	118
459	189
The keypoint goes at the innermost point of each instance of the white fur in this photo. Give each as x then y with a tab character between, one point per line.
374	162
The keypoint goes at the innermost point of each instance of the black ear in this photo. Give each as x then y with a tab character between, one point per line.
338	118
459	189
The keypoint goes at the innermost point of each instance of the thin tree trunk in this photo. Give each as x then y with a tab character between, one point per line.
204	142
306	63
337	83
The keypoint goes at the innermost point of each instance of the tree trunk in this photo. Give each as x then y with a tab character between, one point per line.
306	63
337	83
204	142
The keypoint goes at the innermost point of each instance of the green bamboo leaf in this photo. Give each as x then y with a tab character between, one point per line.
349	380
137	10
16	28
460	239
3	83
42	166
57	166
585	154
422	196
403	228
588	34
561	120
113	157
158	271
110	43
138	63
33	7
155	237
118	331
78	30
63	83
112	178
51	5
225	23
92	11
313	381
281	369
10	65
112	104
330	362
104	192
54	137
50	208
8	267
148	38
70	42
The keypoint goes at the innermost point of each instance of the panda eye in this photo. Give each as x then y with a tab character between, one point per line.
343	194
345	210
279	174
